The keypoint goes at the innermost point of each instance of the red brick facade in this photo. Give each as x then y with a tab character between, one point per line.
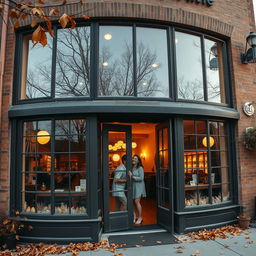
231	18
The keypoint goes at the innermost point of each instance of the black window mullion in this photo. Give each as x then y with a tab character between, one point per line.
54	57
204	68
209	162
174	63
52	166
94	60
171	70
134	43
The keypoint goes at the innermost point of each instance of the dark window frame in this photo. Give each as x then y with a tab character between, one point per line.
94	37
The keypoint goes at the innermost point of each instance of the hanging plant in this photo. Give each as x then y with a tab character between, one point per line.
250	138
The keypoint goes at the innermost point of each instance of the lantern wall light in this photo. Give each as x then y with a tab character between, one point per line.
249	56
43	137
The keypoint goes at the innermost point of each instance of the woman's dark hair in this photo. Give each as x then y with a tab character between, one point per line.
123	158
139	160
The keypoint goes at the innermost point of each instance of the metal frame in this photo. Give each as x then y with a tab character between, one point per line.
94	25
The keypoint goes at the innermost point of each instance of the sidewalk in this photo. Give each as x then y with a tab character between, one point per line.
243	245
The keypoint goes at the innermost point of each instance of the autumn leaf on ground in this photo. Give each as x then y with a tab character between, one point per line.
247	237
138	246
179	251
158	242
226	246
118	254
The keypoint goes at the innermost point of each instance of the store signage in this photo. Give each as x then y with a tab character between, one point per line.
206	2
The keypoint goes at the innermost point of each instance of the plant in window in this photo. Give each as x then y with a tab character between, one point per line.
250	138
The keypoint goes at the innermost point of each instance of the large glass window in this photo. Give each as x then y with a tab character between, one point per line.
73	63
189	67
152	63
37	67
115	61
54	167
214	71
206	166
129	61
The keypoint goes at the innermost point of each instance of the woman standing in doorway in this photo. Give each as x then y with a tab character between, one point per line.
137	175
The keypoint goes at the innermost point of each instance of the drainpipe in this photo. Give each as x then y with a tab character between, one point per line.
2	53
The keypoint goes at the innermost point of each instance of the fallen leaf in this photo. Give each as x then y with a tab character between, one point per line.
247	237
246	246
179	251
65	19
226	246
137	245
158	242
14	14
41	2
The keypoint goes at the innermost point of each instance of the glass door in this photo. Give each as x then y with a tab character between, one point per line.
117	192
164	179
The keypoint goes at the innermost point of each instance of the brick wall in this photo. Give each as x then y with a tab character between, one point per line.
231	18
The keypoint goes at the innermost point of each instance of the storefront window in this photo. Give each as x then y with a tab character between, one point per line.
54	181
73	62
37	68
189	67
206	165
152	63
129	61
115	61
214	70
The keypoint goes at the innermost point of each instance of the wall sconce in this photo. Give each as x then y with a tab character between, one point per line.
43	137
250	55
213	62
116	157
143	156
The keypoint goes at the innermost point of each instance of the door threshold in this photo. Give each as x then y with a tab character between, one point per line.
104	236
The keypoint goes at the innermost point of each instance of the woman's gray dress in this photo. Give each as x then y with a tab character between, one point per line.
138	183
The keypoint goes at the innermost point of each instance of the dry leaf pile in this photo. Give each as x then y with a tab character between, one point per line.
212	234
42	249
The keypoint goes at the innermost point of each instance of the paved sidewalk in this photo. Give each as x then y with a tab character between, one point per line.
243	245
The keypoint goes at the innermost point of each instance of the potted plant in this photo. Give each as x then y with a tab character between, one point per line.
9	228
250	138
244	221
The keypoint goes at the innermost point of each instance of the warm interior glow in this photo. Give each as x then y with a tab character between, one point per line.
116	157
43	137
143	155
110	147
134	145
120	142
204	141
124	146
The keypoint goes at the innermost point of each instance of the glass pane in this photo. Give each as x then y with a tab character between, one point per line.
216	194
201	127
78	204
115	76
225	192
117	171
73	62
152	63
30	181
61	144
43	182
204	196
62	127
215	158
78	126
189	142
78	182
166	139
61	182
189	126
189	67
36	73
222	128
191	197
203	176
214	70
214	129
77	143
160	139
216	175
164	178
164	198
61	203
223	143
224	175
43	204
29	202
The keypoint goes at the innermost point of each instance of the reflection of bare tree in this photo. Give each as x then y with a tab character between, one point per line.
190	90
73	67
